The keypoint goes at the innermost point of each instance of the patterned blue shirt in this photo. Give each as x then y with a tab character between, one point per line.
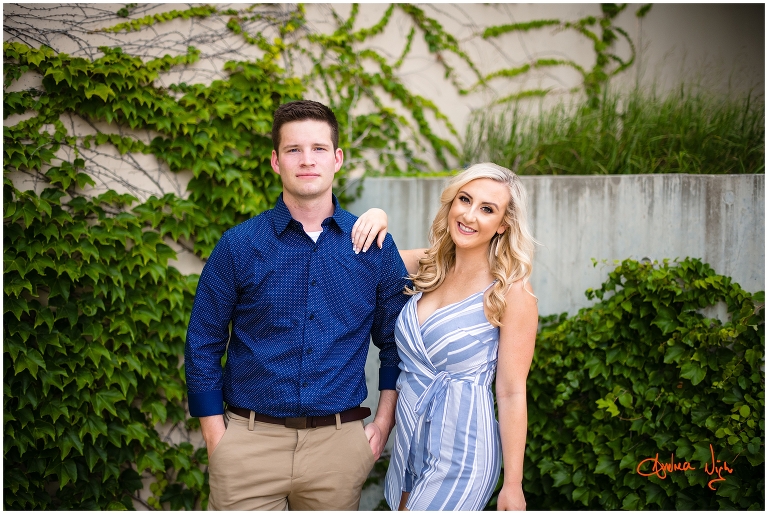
301	316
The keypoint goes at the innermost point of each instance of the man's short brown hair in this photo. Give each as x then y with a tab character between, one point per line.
301	110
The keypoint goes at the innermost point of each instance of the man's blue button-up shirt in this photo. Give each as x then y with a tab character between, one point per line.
301	314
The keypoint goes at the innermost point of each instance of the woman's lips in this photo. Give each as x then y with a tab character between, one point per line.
465	229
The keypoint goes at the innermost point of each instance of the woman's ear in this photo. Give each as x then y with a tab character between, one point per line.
501	229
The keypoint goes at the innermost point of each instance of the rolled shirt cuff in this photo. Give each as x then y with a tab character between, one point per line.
388	377
207	403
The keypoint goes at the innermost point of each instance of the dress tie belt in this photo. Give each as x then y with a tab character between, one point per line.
425	410
432	395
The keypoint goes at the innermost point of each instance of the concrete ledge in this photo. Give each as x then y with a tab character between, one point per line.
718	218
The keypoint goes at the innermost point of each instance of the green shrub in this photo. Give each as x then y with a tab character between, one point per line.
687	131
642	373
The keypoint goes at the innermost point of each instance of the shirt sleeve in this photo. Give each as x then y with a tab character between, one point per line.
390	300
208	332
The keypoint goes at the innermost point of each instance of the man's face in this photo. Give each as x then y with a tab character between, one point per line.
306	161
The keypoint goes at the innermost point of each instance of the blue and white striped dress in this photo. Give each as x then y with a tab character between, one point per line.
447	449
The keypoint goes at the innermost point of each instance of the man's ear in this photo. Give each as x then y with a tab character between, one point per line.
275	163
339	155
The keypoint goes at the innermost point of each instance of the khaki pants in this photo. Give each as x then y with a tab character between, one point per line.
276	468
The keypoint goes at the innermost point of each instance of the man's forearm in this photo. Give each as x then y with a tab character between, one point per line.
385	412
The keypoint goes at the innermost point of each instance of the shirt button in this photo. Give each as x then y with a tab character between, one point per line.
311	316
314	249
309	350
304	384
314	282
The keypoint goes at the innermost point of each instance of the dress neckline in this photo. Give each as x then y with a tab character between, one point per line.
416	304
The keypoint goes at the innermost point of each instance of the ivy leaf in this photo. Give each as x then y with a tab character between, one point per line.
94	425
608	405
52	378
13	346
693	372
93	454
68	312
136	431
674	353
95	352
106	400
606	465
561	477
666	319
150	459
60	287
16	306
44	316
192	478
31	361
68	441
101	90
631	502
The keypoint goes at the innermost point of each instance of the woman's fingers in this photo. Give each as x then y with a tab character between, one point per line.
372	237
360	232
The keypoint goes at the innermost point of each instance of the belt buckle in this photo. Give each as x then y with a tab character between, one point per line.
296	422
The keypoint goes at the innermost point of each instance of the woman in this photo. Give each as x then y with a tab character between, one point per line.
448	445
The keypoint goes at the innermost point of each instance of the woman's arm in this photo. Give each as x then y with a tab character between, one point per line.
411	259
517	337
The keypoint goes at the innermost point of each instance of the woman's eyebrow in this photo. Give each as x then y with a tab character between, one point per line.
486	203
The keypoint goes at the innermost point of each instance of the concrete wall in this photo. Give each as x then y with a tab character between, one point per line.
718	218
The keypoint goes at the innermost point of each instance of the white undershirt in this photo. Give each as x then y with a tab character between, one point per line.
314	235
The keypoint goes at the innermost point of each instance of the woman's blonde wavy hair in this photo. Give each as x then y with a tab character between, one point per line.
510	254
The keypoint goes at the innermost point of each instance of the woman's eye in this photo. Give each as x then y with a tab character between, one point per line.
464	199
488	210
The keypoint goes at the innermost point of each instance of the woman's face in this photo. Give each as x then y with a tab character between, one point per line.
477	213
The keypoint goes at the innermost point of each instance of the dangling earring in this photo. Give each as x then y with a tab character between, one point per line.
498	243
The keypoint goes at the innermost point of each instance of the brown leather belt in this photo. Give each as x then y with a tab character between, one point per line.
353	414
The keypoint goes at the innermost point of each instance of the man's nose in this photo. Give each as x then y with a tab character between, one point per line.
307	159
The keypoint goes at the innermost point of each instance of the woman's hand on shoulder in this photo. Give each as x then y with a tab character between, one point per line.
370	226
511	497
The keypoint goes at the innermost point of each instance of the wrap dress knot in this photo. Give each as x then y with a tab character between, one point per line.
447	450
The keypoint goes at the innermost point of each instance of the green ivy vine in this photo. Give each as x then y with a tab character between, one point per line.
607	62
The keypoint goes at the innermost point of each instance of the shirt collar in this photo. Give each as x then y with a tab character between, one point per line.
282	216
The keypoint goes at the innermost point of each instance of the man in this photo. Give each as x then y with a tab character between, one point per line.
302	305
